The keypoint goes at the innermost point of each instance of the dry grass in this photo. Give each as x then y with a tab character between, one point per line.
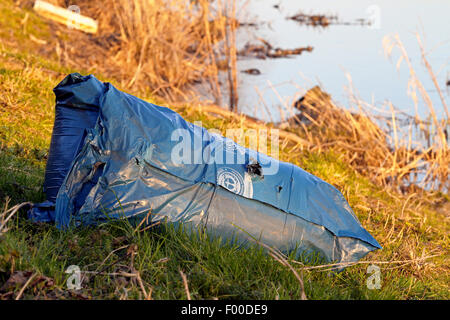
379	150
7	214
171	48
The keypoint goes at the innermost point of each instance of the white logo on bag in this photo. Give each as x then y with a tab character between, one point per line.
233	181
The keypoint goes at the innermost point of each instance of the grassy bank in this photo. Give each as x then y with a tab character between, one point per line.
122	262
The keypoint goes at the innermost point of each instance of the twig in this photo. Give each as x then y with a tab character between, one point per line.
278	256
115	250
432	75
13	211
347	264
25	286
151	226
186	287
287	264
148	296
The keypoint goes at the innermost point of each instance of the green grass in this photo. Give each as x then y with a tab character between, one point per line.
407	226
213	270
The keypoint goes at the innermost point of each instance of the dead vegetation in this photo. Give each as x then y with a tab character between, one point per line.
166	48
266	50
383	147
314	20
323	20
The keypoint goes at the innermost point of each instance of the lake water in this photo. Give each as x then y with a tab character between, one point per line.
356	50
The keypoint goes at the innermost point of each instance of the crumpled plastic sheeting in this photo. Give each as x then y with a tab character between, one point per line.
126	168
76	109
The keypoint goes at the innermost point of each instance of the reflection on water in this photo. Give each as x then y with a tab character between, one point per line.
342	48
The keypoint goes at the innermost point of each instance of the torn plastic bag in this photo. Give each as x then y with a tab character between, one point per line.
142	158
145	160
76	109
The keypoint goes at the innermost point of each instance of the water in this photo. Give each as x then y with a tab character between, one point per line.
341	49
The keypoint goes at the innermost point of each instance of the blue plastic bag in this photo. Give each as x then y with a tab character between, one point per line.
76	109
145	161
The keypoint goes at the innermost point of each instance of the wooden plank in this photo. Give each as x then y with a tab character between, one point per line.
67	17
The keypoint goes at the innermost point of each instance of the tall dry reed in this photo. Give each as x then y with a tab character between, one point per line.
171	48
